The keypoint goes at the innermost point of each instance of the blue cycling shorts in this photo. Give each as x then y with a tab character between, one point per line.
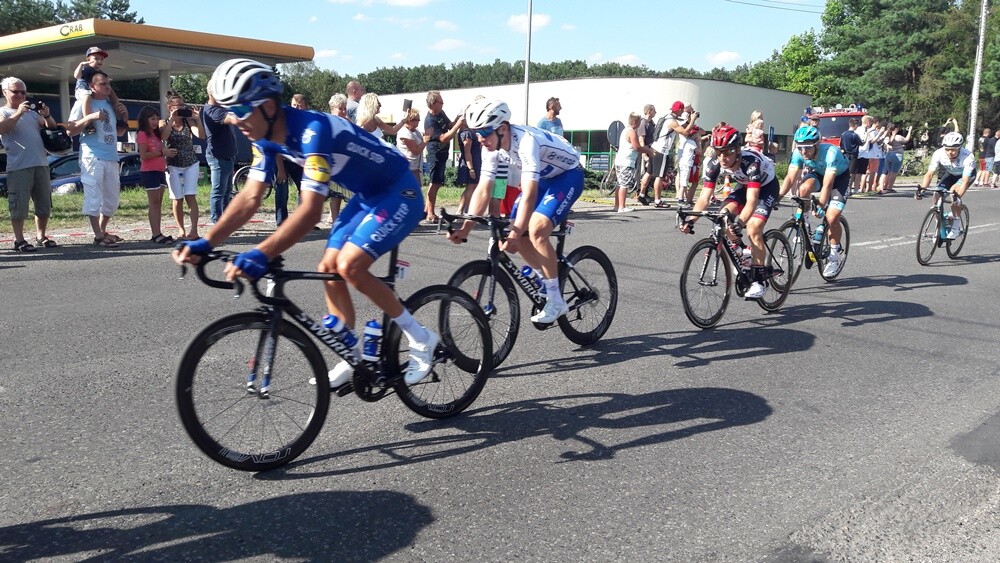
556	195
378	223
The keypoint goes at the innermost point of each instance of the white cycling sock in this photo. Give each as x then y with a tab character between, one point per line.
552	290
414	331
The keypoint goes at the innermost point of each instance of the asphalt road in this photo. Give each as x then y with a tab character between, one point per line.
858	423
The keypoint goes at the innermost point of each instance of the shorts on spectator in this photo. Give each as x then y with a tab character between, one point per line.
860	166
153	179
660	165
464	177
625	175
29	184
989	163
436	162
182	181
893	162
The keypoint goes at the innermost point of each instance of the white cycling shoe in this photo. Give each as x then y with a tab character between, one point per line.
340	374
550	312
832	265
421	358
756	291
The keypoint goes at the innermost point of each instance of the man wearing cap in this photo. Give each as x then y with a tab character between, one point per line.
667	130
687	157
94	61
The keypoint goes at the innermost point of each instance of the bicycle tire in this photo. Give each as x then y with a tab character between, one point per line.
700	279
778	256
225	420
505	315
591	293
929	237
954	246
463	359
796	246
240	179
845	247
609	182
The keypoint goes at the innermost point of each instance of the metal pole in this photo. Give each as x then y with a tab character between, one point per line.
527	64
974	106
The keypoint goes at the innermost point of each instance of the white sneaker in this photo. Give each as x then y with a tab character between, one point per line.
626	210
956	229
756	291
832	265
550	312
421	358
339	375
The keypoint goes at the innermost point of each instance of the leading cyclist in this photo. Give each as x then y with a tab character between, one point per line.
551	181
387	204
752	198
822	167
958	164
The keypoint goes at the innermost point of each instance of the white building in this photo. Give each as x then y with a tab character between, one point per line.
590	105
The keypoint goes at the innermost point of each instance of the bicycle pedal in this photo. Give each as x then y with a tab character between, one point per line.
343	390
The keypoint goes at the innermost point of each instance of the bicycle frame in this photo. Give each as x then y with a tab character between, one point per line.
720	221
815	251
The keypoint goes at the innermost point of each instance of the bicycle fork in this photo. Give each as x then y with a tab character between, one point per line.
261	364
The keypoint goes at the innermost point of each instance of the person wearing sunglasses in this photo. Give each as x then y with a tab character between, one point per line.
387	203
752	197
825	168
551	181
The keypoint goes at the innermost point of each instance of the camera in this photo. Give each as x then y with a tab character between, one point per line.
34	105
184	112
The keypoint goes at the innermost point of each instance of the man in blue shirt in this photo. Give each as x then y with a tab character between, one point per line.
220	153
551	121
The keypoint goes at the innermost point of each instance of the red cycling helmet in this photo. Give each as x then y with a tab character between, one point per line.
725	138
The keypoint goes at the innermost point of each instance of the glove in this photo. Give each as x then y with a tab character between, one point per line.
200	246
254	263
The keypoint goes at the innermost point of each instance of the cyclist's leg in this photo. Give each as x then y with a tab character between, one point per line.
338	300
555	198
767	196
838	200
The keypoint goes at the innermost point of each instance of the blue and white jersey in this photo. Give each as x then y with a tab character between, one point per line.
827	157
963	165
330	148
536	154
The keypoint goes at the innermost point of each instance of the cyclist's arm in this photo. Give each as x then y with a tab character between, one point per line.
240	210
753	194
824	192
299	223
789	181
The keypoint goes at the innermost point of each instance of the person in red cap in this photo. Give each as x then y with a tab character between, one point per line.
666	133
94	60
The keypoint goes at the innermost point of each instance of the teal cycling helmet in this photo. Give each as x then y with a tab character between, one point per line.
807	135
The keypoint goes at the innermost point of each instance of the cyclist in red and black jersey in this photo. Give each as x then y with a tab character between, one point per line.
753	195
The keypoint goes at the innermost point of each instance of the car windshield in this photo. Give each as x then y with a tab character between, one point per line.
833	126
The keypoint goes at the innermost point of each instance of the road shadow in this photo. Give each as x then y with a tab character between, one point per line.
666	415
321	526
980	259
903	282
980	446
857	313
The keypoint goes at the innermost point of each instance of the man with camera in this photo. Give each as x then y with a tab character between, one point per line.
21	122
667	129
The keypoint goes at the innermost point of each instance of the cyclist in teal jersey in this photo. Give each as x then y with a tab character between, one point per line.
821	166
959	168
387	203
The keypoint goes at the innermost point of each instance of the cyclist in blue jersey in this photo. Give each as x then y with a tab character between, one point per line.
551	181
387	203
959	169
825	168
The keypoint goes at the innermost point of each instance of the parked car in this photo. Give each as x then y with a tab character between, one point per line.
65	171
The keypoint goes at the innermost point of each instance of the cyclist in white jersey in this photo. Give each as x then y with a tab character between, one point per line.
957	163
551	181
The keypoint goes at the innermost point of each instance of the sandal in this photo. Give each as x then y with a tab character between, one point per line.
23	246
46	242
105	242
113	238
162	239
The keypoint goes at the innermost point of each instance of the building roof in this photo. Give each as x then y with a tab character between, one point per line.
51	54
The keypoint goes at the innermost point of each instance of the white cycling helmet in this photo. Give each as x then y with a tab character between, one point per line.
487	114
952	140
244	81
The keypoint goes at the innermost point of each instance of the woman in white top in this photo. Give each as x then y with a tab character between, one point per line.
895	144
625	162
411	143
369	120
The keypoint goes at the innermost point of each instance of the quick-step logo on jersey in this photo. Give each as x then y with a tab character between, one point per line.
389	225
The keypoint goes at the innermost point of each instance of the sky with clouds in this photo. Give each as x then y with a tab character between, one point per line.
353	37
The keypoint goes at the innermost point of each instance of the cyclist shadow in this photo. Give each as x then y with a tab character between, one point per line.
307	526
984	259
586	419
692	349
905	282
857	313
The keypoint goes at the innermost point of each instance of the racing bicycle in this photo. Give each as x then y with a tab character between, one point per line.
586	277
805	250
243	390
713	268
934	230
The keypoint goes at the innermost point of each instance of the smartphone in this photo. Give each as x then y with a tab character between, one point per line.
184	112
407	104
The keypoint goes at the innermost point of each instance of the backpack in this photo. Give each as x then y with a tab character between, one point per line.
659	127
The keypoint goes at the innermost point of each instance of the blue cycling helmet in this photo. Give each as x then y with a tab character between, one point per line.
808	135
244	81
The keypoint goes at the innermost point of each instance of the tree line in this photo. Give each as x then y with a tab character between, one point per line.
911	61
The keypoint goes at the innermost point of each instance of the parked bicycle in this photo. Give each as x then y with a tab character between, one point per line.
805	249
240	179
610	182
586	277
936	226
714	266
243	388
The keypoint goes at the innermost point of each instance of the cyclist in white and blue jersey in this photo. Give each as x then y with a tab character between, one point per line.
551	181
825	168
387	203
958	168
